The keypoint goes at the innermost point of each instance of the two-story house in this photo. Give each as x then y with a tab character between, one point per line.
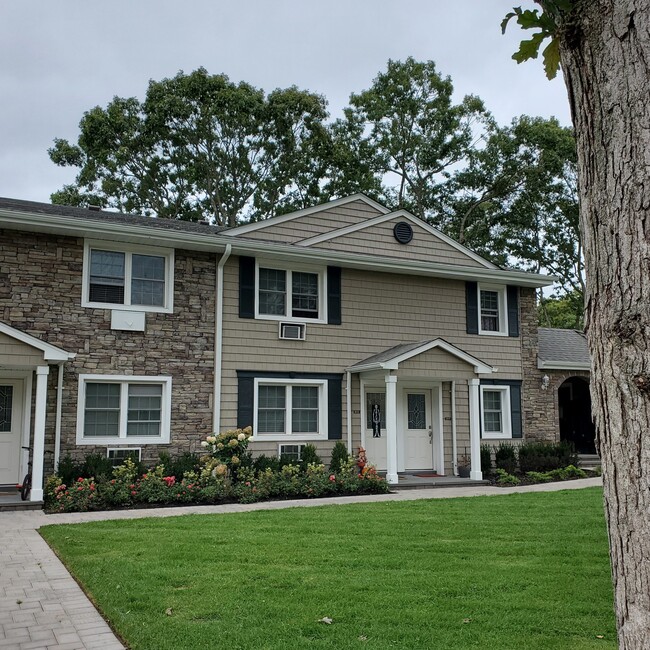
344	321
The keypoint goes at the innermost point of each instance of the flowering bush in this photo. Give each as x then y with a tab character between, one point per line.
231	448
154	487
81	496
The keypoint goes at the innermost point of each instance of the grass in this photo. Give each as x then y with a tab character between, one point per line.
503	572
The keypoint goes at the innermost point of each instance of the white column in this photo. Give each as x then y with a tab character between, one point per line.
38	452
475	430
391	429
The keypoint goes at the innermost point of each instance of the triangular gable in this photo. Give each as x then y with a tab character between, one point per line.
50	352
375	237
387	361
309	222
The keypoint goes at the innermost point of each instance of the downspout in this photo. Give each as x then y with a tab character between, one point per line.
218	341
454	442
348	409
57	420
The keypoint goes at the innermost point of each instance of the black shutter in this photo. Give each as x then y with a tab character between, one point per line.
245	400
515	410
513	310
247	287
334	295
334	414
471	307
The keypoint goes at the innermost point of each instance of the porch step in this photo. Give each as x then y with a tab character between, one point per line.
7	505
424	484
589	461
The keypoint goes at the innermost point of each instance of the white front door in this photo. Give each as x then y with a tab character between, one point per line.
11	422
418	431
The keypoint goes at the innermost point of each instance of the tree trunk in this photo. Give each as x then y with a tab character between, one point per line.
605	54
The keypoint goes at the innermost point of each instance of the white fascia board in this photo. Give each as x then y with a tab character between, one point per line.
110	230
563	365
273	221
50	352
396	215
76	227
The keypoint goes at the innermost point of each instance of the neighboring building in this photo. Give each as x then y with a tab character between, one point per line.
342	321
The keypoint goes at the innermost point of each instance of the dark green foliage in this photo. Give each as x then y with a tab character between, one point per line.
505	478
339	456
97	466
69	470
178	465
565	312
505	457
263	462
545	456
309	456
486	459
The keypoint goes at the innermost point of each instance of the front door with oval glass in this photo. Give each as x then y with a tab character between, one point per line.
418	432
10	431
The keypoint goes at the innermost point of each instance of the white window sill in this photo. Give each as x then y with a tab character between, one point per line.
116	306
490	333
113	441
291	319
295	438
496	436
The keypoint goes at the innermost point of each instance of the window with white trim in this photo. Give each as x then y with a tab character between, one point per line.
293	294
293	407
128	409
128	277
492	310
495	412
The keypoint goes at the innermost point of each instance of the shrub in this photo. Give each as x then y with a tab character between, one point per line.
486	459
309	457
69	470
566	473
545	456
180	465
505	478
505	457
231	449
339	456
539	477
154	487
262	463
81	496
96	466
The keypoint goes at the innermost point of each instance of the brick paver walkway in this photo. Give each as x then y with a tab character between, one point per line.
41	606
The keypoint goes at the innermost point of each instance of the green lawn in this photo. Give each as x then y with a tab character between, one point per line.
504	572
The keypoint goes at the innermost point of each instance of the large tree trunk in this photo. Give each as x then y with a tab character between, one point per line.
605	54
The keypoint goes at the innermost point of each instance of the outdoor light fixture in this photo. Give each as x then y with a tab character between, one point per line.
545	382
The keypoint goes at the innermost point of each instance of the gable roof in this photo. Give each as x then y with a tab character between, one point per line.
403	214
274	221
50	352
561	349
391	358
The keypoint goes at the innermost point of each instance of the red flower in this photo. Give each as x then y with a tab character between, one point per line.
80	480
332	477
133	493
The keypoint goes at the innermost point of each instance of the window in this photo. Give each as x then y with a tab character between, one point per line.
128	278
119	454
290	294
495	412
492	310
290	408
372	400
290	452
116	408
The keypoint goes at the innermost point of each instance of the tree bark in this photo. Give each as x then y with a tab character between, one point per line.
605	54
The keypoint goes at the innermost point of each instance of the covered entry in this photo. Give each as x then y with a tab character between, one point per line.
576	423
401	399
24	369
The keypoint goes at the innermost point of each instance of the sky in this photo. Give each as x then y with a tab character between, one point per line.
60	59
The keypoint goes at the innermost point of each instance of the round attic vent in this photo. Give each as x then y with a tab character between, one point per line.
403	232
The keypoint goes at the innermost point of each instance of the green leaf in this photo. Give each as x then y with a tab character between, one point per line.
529	19
506	20
529	49
551	56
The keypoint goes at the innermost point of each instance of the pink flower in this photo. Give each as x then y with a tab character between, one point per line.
132	492
80	480
332	477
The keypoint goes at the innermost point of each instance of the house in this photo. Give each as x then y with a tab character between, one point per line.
344	321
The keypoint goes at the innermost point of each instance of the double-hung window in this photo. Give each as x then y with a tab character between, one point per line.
290	294
290	408
495	412
123	409
492	310
128	278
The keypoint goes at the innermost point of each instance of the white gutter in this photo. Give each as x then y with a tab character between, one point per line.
218	342
348	408
211	241
454	441
57	419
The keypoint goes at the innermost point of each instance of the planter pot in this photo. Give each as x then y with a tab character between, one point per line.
463	471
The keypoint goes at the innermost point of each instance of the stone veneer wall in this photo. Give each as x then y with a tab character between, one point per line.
541	417
40	294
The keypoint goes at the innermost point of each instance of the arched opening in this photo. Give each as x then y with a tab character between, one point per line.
576	425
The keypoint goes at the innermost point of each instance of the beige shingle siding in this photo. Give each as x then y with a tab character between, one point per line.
14	352
295	230
379	310
379	240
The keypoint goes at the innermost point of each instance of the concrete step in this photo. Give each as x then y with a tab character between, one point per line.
433	483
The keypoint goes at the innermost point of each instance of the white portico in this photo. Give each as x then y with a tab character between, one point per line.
418	400
25	363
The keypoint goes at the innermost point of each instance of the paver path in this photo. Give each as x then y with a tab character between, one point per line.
41	606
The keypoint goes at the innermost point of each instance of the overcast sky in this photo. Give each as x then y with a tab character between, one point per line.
59	59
